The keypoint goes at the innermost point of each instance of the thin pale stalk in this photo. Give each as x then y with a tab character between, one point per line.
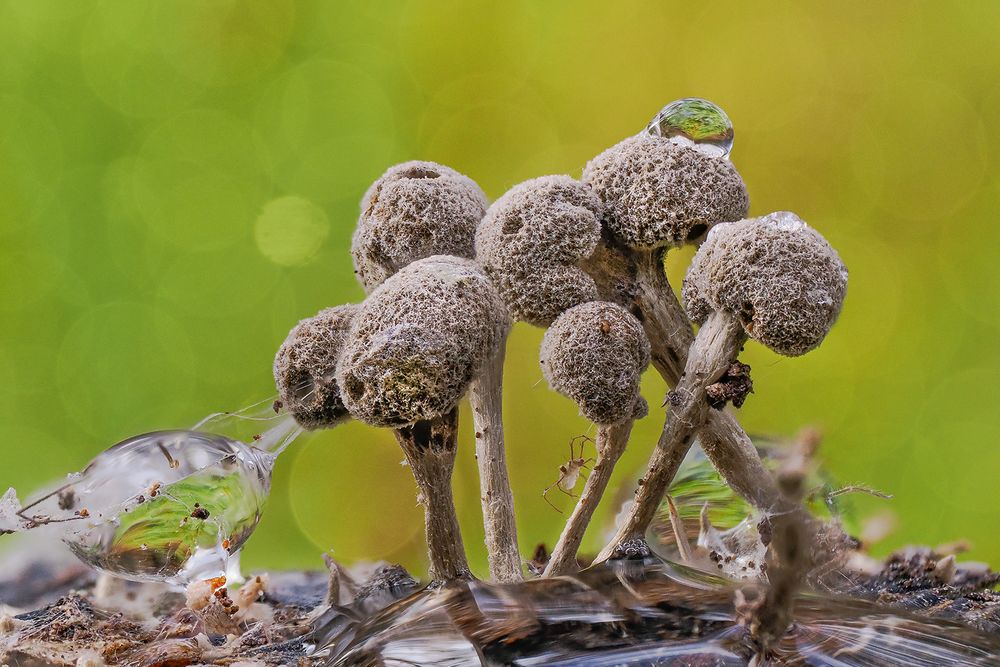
716	346
670	335
430	448
486	398
611	442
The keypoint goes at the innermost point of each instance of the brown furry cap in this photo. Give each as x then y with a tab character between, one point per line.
531	242
776	274
658	193
305	364
595	354
420	339
415	210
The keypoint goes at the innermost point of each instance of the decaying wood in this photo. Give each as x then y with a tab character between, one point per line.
623	613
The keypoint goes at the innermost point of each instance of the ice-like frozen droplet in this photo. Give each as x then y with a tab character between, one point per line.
697	122
172	506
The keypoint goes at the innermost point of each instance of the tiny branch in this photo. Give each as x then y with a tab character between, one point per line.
680	533
791	556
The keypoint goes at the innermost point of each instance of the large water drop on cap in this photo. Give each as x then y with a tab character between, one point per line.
173	506
695	121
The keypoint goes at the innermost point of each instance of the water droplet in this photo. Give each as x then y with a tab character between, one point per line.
698	483
173	506
785	221
697	122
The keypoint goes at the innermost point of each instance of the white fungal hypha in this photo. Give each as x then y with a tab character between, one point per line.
595	354
306	364
415	210
416	345
658	195
531	243
772	279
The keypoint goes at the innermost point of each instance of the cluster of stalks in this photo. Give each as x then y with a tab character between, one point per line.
447	275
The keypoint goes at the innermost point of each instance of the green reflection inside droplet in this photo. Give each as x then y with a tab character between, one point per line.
696	119
159	536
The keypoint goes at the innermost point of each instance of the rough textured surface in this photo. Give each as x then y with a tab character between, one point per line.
415	210
775	274
531	242
914	578
595	354
419	340
658	193
305	366
734	386
539	296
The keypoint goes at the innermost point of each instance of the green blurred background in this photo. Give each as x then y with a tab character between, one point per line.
179	182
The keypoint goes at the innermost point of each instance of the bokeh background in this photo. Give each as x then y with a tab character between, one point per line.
179	182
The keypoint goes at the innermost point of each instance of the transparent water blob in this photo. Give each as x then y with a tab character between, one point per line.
174	506
708	507
696	122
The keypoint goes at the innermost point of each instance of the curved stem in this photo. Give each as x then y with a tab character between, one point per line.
611	442
716	346
670	335
663	319
486	398
430	448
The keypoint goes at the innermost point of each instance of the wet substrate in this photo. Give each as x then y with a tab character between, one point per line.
918	608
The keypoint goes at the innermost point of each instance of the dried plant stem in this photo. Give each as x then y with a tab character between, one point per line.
430	448
790	554
714	349
611	441
486	398
670	335
680	533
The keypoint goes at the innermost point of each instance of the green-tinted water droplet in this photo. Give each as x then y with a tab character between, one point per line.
173	506
698	483
167	506
695	120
